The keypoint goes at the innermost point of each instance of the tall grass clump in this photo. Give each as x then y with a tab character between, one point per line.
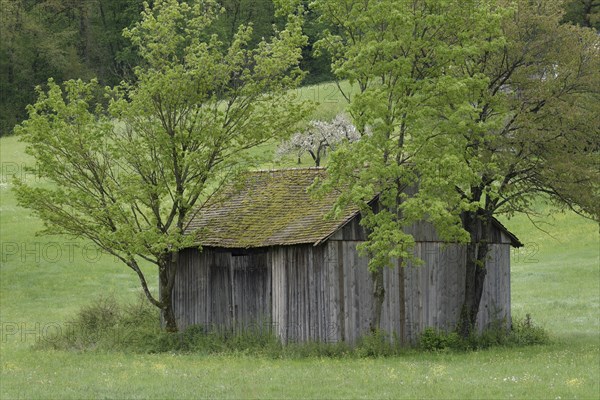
106	325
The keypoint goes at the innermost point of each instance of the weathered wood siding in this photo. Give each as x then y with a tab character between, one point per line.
432	293
321	293
306	294
495	301
314	304
221	289
324	293
427	295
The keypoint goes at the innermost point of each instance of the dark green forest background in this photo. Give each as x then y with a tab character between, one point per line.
67	39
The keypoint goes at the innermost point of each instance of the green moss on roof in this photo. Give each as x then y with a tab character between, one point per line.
269	208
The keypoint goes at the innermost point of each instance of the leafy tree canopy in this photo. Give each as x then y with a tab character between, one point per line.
483	106
128	172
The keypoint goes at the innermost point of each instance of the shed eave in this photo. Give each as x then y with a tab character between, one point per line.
341	225
514	240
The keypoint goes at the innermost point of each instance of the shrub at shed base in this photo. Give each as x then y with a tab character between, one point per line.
106	325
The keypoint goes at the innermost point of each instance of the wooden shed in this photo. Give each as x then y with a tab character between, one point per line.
269	258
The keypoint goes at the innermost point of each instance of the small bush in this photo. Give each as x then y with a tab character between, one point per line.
376	344
523	333
435	340
106	325
100	315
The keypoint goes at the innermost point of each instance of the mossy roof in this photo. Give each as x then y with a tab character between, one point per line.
274	208
268	208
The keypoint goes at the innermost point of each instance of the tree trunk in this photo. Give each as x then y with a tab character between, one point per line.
167	314
477	251
166	283
166	280
378	297
84	34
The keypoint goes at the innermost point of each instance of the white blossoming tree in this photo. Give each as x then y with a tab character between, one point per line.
319	137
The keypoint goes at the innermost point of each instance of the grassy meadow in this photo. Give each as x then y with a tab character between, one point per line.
45	280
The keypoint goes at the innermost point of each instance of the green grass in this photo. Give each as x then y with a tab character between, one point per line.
327	99
557	278
557	281
544	372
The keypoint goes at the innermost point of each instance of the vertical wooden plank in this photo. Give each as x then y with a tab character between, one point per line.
209	298
419	294
412	289
365	301
287	287
414	296
196	303
328	301
293	293
338	260
442	311
280	285
321	302
275	290
313	290
350	261
283	298
301	269
231	286
307	257
395	317
421	285
385	315
268	290
191	291
297	290
324	303
507	286
329	318
434	267
402	303
347	277
457	293
203	267
234	311
292	296
316	303
406	276
390	315
290	287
